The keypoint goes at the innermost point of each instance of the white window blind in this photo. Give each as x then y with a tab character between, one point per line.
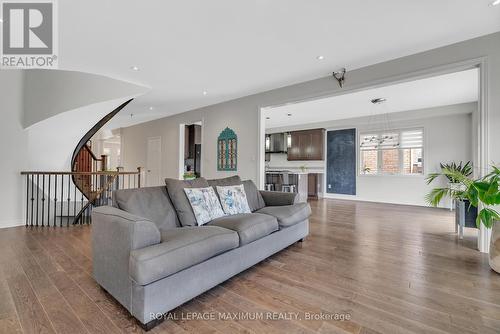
412	138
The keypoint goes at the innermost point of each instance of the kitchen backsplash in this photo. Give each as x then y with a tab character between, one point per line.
279	161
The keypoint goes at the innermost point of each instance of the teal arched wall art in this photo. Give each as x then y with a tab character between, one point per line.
227	150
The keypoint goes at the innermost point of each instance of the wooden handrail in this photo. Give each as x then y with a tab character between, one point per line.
83	143
86	147
78	173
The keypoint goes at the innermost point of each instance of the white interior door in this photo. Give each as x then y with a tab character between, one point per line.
153	163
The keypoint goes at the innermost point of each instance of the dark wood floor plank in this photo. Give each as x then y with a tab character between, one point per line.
89	313
62	317
393	268
82	276
9	320
32	316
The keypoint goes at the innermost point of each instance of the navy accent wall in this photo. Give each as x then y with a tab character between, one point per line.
341	162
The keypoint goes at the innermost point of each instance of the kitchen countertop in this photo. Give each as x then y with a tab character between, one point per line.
296	171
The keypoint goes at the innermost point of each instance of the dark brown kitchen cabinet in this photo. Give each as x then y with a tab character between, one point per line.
192	138
312	185
307	145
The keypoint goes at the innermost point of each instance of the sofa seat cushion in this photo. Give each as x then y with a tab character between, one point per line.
249	226
180	248
288	215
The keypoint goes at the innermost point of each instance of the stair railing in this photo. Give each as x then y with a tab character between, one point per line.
52	199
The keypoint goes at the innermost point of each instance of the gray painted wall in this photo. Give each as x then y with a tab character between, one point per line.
243	114
13	145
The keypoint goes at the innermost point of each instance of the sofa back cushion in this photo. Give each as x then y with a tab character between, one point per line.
175	189
227	181
254	198
152	203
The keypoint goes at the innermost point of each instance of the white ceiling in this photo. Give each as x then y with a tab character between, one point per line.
233	48
443	90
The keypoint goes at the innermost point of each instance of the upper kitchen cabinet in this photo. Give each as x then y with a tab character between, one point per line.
307	145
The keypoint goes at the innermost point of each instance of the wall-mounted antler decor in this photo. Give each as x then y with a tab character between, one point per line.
340	76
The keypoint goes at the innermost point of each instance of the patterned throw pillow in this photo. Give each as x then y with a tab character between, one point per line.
205	204
233	199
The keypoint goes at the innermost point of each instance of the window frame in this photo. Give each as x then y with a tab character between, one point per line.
399	131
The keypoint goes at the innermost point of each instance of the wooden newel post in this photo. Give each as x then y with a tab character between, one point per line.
104	162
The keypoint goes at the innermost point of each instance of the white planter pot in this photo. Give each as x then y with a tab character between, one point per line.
495	247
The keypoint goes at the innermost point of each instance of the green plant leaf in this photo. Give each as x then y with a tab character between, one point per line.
472	195
481	185
436	195
431	177
487	216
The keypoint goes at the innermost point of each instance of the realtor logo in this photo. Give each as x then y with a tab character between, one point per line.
29	34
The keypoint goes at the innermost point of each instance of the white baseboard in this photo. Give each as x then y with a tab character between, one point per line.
11	223
361	199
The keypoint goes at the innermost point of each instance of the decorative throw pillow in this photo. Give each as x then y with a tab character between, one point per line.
233	199
175	189
205	204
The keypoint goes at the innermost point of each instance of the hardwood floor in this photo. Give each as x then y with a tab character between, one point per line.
387	268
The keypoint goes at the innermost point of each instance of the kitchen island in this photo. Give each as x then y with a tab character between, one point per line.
305	183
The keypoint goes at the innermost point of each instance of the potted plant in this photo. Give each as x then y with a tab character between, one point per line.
189	175
484	193
455	174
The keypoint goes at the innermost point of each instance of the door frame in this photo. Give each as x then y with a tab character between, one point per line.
182	142
147	158
481	63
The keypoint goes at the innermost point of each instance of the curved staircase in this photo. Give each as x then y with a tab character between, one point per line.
67	198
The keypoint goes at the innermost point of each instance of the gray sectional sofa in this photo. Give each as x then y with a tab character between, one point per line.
149	254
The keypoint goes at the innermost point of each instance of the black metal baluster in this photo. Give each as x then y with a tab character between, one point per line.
48	205
74	199
37	196
62	200
27	197
69	199
43	199
55	200
32	200
81	207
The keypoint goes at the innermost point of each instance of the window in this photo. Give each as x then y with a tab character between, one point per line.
395	152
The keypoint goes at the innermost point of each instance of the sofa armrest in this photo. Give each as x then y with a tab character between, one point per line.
278	198
117	227
115	233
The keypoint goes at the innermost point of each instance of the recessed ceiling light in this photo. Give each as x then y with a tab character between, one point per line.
320	57
134	68
268	117
151	108
289	114
495	3
205	93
